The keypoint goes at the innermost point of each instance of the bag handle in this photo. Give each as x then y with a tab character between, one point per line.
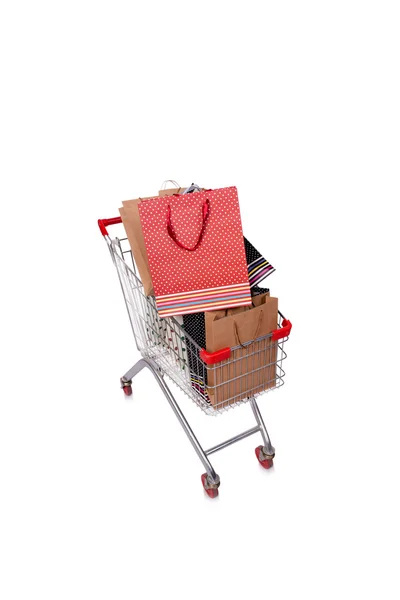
174	183
205	213
235	329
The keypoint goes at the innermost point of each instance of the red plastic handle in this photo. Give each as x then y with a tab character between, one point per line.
284	331
210	358
104	223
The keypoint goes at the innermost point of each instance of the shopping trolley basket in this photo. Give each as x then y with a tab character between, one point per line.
231	376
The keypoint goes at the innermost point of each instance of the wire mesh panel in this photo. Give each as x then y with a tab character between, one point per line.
250	370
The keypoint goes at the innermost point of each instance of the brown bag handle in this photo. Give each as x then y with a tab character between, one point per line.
205	214
235	329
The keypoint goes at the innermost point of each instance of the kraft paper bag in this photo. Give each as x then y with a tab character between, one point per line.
194	325
131	221
252	366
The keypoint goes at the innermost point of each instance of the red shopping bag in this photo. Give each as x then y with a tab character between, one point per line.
196	251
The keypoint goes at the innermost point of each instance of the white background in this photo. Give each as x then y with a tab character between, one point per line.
297	104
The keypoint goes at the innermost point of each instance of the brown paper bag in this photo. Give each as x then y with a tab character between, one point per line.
252	366
131	220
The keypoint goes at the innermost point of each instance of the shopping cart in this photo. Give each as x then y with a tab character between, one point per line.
231	376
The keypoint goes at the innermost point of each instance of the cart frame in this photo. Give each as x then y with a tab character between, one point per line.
165	348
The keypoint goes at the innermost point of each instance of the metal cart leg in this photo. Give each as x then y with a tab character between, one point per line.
268	449
212	478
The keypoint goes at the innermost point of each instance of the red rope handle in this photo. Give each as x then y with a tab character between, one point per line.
205	214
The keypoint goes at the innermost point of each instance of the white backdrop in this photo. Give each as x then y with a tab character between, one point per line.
297	104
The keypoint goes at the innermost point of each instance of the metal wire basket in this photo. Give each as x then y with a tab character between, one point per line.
165	341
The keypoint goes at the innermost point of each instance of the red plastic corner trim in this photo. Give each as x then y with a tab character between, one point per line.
284	331
103	224
210	358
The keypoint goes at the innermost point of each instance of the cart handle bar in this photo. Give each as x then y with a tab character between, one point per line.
104	223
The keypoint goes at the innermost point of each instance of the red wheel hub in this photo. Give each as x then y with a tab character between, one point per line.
212	492
266	463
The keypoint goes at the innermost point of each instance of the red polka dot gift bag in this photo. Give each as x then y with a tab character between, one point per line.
196	251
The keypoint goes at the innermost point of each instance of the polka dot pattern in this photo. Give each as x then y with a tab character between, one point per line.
258	267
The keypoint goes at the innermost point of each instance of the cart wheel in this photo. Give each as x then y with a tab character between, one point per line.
266	462
212	492
126	386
